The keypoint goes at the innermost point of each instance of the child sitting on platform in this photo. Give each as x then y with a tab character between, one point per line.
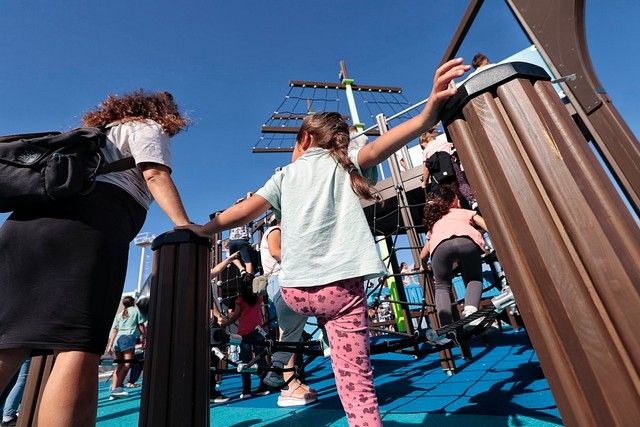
327	248
453	239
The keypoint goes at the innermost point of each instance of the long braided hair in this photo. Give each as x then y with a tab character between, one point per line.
331	132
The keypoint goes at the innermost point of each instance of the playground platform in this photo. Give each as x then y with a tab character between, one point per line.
502	386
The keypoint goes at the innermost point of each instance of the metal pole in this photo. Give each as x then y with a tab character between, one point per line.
139	287
353	110
406	218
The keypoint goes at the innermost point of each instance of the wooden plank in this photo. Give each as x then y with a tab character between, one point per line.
339	86
295	129
39	372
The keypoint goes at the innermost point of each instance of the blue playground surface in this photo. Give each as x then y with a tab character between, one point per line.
502	386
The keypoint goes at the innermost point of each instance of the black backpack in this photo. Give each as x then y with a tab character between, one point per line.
40	168
440	166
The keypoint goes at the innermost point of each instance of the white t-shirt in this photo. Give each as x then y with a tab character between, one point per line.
147	142
325	234
435	146
270	265
239	233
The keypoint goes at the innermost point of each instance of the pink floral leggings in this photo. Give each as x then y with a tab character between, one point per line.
341	307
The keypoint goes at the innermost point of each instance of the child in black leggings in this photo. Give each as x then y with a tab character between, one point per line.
453	241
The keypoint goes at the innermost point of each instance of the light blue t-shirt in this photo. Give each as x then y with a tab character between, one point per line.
325	235
128	325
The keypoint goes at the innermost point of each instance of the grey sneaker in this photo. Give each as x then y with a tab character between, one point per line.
118	392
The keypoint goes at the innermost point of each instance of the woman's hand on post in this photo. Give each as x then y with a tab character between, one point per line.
196	228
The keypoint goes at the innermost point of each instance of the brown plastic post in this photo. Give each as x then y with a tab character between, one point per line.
39	371
558	30
175	389
569	246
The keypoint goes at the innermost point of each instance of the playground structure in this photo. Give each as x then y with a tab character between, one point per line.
568	243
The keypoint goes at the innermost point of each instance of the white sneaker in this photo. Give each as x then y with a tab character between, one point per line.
118	392
468	311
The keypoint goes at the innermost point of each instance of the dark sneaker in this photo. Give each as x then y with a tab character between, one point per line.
219	398
262	391
10	423
273	380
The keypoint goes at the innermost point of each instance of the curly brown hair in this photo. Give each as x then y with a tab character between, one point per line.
439	203
138	105
331	132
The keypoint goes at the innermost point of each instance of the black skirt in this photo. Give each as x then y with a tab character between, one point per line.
62	271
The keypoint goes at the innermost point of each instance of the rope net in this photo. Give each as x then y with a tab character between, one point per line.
278	132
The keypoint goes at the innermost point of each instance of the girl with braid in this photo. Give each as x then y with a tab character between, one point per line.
327	248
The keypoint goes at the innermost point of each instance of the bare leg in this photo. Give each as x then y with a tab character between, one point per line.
118	377
249	267
10	361
70	397
238	264
290	365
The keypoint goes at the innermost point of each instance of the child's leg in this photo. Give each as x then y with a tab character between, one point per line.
471	265
245	256
342	307
245	356
441	263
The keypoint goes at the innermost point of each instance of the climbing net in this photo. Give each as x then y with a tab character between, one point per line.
278	132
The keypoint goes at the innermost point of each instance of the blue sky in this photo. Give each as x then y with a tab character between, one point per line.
228	65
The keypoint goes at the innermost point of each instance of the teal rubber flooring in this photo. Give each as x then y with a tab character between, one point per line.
502	386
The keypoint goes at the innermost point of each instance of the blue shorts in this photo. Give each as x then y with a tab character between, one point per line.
243	246
125	343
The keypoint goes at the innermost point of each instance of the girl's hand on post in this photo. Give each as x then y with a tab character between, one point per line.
442	90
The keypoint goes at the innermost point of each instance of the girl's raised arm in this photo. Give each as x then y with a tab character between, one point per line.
235	216
387	144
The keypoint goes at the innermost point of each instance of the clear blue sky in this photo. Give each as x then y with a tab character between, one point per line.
228	64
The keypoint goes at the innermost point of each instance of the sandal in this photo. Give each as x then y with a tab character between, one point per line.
295	396
296	383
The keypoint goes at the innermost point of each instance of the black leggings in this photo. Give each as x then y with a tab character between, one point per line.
469	258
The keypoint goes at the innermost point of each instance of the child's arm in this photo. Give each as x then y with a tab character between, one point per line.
235	216
275	249
235	314
425	176
223	264
424	253
387	144
479	221
112	338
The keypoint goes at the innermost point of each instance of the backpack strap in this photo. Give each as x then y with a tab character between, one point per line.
117	166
